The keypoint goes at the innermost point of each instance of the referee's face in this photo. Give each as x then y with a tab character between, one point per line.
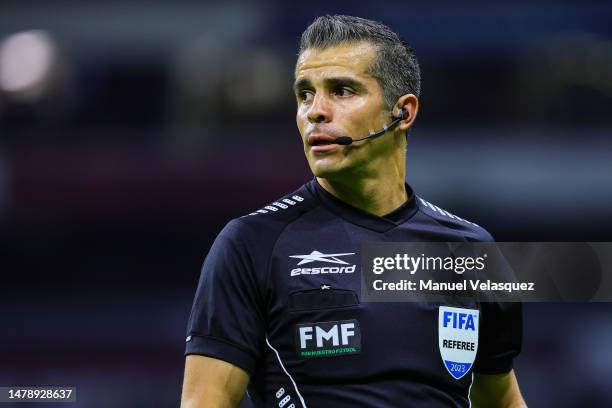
337	97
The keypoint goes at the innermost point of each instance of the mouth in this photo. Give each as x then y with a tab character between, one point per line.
320	143
321	139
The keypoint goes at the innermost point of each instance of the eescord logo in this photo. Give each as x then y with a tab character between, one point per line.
323	270
326	339
316	256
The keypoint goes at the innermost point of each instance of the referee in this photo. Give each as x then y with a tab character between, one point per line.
277	314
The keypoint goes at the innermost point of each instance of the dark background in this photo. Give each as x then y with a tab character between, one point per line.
131	133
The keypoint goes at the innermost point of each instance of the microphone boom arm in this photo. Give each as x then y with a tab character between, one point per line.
347	140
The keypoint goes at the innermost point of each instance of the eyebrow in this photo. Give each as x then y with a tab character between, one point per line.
330	83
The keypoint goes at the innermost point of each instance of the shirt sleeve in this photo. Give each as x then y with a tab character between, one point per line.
501	337
226	320
501	326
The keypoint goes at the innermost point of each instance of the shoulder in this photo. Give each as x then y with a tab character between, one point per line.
267	223
452	223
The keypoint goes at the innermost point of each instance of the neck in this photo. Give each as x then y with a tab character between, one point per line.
378	194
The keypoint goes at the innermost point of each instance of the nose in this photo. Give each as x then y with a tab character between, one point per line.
320	110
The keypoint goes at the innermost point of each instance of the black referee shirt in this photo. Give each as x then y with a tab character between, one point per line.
279	297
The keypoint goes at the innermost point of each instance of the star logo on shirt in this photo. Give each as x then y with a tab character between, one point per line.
315	256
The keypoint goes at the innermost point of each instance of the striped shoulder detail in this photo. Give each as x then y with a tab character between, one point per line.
279	205
445	213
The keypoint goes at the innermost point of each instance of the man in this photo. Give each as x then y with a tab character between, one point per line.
277	307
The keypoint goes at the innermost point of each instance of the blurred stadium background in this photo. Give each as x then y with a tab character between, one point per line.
131	133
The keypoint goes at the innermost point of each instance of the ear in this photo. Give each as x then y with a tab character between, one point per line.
410	104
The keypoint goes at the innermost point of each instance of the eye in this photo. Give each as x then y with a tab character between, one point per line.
343	91
305	96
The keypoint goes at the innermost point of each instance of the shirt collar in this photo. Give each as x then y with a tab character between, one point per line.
361	217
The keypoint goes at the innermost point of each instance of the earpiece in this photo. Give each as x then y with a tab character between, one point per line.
403	114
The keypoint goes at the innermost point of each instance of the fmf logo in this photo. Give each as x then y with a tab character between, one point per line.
458	339
316	256
327	339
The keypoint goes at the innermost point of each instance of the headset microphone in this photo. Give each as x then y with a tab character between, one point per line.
347	140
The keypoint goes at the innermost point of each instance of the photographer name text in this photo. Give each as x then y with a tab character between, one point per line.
459	286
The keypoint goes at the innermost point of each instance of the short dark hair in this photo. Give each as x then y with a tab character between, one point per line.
395	67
